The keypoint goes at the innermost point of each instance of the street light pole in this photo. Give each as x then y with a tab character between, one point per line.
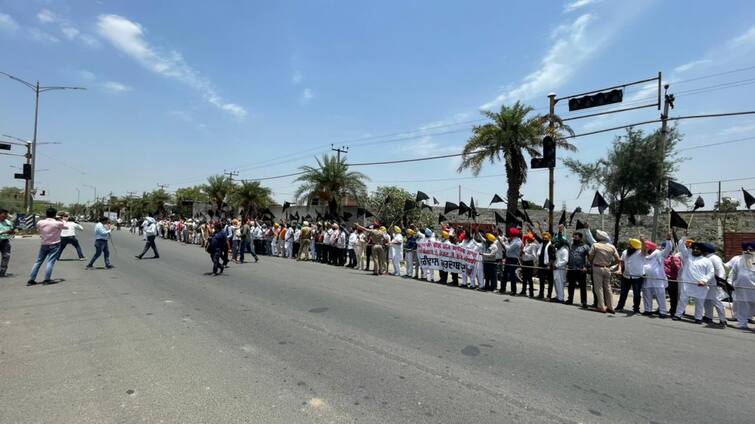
551	176
37	89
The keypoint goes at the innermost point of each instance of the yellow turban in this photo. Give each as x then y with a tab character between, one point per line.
410	232
445	234
382	228
396	229
635	244
491	238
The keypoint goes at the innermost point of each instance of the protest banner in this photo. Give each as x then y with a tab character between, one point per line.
446	257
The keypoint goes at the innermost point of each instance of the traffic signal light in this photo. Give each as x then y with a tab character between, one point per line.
549	155
26	174
595	100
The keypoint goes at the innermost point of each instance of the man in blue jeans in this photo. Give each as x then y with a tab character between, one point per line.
49	231
101	238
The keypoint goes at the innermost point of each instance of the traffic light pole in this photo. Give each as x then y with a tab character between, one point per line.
27	189
30	182
551	170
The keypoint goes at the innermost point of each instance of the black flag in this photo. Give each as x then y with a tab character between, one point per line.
677	221
580	225
473	210
571	217
360	212
599	202
548	205
409	205
421	196
463	208
426	206
749	200
496	199
435	201
675	189
387	200
286	205
699	203
368	214
450	207
441	218
525	204
521	213
297	215
499	219
514	220
346	216
562	220
318	216
632	220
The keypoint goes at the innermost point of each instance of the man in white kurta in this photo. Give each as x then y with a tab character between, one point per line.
697	270
715	293
655	276
397	250
559	266
742	277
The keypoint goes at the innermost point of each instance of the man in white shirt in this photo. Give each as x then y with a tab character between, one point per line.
693	280
655	276
632	268
715	293
742	278
397	250
68	236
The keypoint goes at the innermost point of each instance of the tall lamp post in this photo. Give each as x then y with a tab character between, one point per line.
37	90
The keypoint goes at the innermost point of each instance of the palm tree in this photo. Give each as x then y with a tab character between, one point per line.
330	181
507	138
218	187
251	196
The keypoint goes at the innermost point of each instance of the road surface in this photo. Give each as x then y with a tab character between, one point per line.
285	342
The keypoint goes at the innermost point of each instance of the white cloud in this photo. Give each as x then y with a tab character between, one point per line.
89	40
37	34
129	37
46	16
690	65
307	95
87	75
578	4
69	31
115	87
297	77
8	24
748	37
558	65
740	129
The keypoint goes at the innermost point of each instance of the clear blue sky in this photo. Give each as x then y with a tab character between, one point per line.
179	90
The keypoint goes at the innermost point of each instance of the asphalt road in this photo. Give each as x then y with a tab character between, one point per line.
284	342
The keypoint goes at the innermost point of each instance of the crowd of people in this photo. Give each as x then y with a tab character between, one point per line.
509	262
677	269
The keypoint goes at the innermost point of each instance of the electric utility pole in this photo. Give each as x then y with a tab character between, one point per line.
668	102
231	174
339	150
37	90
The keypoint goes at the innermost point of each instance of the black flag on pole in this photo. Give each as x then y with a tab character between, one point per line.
571	217
450	207
441	218
749	200
346	216
548	205
599	202
525	204
675	190
368	214
472	209
409	205
562	220
421	196
496	199
514	220
677	221
435	201
463	208
499	219
426	206
286	205
699	203
632	220
580	225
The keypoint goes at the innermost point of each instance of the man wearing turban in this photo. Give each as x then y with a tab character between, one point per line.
742	277
715	293
631	266
655	276
513	249
693	280
397	250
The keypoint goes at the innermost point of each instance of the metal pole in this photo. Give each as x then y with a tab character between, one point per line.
459	193
719	195
33	151
27	191
78	195
662	154
551	176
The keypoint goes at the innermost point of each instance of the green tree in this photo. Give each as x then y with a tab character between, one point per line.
251	196
331	181
12	199
510	135
189	194
727	204
157	201
218	188
630	173
392	212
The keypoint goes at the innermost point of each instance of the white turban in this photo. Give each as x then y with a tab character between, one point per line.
601	235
